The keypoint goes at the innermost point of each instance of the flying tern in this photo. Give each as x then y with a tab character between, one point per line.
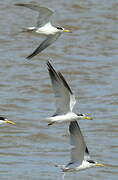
65	99
43	27
80	158
4	120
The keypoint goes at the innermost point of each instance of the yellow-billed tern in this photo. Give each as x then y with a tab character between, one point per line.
5	120
65	99
44	27
80	158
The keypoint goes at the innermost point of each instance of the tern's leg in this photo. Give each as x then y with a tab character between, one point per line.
49	124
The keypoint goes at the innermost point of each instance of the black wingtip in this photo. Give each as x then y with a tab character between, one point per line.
31	56
49	64
86	150
65	83
51	69
58	75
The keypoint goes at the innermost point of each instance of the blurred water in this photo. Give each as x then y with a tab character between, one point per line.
88	58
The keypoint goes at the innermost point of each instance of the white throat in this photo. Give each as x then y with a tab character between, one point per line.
2	122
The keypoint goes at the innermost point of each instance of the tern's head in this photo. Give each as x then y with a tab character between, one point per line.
61	29
5	120
94	163
83	116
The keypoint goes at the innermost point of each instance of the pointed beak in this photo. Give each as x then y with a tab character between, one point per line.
99	165
87	117
9	122
67	30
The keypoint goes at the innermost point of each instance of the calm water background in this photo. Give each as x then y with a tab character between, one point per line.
88	58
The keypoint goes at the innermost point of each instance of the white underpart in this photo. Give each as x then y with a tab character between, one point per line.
63	118
47	29
84	165
74	167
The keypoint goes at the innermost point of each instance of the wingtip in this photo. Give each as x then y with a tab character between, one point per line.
65	83
49	65
30	56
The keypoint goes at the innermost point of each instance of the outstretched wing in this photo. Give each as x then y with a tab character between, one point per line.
65	100
44	13
47	42
79	149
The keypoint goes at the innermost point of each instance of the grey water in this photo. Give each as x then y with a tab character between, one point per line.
88	59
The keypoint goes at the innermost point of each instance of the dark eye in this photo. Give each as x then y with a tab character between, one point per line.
59	28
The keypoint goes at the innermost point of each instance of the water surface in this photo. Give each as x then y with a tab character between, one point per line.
88	58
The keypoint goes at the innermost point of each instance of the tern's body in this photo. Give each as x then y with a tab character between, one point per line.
64	118
47	29
65	99
78	167
44	27
80	158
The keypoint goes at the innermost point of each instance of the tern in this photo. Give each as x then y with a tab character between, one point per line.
43	27
4	120
80	158
65	99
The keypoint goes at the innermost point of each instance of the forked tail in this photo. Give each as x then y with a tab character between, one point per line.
30	29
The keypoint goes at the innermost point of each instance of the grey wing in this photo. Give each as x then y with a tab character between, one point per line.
78	144
72	100
44	13
65	99
47	42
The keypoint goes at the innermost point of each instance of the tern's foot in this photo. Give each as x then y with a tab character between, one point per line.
51	123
